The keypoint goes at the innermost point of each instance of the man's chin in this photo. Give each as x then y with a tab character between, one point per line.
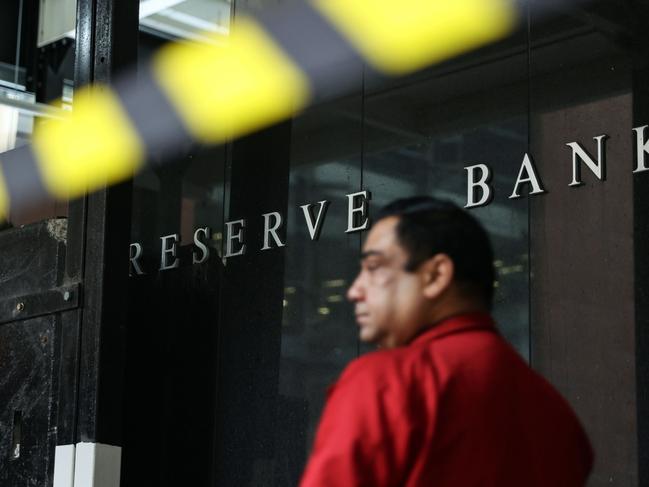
367	335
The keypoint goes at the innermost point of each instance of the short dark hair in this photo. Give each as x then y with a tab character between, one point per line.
428	226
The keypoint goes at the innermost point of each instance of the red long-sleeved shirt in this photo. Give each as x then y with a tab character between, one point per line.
456	407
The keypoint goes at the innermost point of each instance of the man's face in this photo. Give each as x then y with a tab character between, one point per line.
390	306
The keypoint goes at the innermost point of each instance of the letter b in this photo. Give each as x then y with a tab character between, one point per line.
478	186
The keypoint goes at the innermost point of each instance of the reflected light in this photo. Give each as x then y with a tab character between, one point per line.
503	271
8	127
151	7
324	311
334	283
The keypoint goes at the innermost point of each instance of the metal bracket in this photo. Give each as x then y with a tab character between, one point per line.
44	303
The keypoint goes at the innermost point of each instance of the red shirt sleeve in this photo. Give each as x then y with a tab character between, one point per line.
370	429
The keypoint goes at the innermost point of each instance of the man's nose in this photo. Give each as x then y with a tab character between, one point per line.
355	291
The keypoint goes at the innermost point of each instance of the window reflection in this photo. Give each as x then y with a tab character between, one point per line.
16	124
189	194
435	168
36	70
192	20
318	331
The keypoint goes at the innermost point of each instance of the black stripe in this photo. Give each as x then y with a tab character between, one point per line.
157	123
23	178
331	63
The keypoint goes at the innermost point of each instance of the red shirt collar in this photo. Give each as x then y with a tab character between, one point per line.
456	324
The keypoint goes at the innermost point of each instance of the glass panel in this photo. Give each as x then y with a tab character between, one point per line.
285	330
276	351
174	289
174	308
179	199
421	134
36	67
319	336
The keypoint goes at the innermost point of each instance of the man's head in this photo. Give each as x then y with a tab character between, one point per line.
423	260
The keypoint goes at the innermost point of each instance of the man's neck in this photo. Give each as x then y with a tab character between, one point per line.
442	314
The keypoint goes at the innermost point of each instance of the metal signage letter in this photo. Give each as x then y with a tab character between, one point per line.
231	237
272	231
597	168
530	177
167	250
642	147
135	252
315	228
358	213
205	250
482	184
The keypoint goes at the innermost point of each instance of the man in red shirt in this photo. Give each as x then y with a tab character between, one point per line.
446	401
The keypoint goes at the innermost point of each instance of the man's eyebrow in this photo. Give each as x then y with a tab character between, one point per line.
371	253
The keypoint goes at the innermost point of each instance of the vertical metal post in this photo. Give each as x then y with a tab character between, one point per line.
100	224
641	278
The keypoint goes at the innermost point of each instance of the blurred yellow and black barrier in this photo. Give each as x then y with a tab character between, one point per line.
273	65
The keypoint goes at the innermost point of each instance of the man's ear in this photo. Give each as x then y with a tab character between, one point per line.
438	273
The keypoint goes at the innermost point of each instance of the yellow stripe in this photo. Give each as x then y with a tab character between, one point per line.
224	91
4	198
94	146
399	37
